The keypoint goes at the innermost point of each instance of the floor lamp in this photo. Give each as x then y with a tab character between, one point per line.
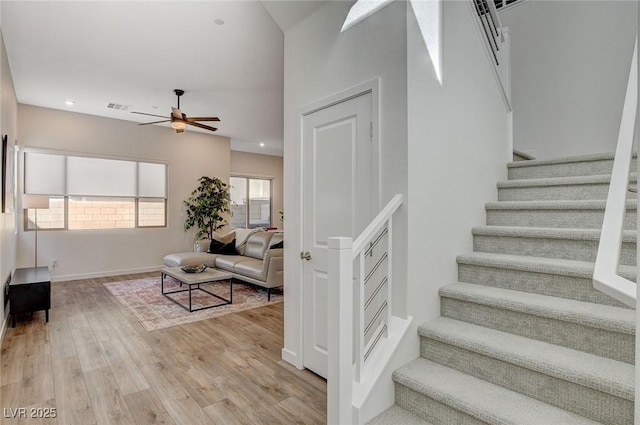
35	202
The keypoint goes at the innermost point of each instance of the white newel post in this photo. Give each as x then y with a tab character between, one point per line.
340	328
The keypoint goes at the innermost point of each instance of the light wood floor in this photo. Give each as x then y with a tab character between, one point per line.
95	364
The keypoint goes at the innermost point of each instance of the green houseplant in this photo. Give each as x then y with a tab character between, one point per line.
206	206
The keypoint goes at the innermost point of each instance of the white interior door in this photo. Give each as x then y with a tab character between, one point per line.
338	196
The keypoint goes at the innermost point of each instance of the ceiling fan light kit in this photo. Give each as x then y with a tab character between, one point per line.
180	120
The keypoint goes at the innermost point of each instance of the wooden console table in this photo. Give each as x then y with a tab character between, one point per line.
29	291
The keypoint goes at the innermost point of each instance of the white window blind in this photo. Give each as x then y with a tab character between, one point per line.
53	174
100	177
152	180
44	174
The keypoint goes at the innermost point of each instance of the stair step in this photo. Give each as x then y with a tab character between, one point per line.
595	387
568	244
546	276
562	167
396	415
444	396
556	214
598	329
558	188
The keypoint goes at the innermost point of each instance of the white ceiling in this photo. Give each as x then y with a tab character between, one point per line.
135	53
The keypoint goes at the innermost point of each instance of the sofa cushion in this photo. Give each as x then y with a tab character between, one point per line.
227	262
257	244
252	268
188	258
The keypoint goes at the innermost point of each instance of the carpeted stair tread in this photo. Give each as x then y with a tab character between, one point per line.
561	181
599	373
564	160
396	415
598	316
557	266
548	233
555	205
487	402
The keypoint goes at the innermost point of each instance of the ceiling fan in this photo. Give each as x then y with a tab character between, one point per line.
179	120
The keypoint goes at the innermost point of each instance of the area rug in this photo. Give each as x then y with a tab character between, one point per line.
143	299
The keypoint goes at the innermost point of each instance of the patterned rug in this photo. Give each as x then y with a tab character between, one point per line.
143	299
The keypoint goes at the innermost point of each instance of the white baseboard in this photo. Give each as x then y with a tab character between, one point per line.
61	278
291	357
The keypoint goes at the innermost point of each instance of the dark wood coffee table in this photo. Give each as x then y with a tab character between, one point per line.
193	282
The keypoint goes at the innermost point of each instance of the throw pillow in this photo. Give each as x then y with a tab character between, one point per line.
215	246
227	248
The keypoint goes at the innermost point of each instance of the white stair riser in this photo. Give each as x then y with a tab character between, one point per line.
604	343
584	401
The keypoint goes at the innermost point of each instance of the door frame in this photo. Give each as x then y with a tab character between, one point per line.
293	350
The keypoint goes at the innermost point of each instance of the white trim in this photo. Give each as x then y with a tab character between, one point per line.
291	357
94	155
373	87
79	276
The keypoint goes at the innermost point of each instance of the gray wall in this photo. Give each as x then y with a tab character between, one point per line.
570	65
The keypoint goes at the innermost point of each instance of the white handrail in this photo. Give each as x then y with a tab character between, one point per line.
605	273
347	383
376	224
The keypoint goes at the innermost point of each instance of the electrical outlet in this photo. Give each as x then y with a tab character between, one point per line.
54	263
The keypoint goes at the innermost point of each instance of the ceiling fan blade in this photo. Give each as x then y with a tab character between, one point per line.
206	127
175	112
155	122
191	119
151	115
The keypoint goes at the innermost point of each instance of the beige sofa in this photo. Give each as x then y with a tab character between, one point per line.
254	262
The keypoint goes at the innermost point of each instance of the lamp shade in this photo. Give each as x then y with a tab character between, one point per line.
178	125
35	201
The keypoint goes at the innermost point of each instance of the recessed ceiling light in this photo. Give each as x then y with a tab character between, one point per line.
219	22
69	103
262	145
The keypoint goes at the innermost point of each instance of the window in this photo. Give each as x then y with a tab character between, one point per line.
95	193
250	202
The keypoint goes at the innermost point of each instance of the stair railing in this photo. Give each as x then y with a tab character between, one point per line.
496	40
605	273
362	331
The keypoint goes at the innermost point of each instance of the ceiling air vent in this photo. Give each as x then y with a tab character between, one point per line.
118	106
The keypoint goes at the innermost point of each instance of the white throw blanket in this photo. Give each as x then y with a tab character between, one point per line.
242	235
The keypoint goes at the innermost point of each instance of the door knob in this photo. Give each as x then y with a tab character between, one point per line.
305	256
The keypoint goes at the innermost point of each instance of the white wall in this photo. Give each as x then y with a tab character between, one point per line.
8	126
80	254
457	153
570	64
321	62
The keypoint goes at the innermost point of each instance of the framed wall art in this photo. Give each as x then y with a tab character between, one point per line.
8	176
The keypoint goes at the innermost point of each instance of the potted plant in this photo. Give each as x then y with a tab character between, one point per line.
206	206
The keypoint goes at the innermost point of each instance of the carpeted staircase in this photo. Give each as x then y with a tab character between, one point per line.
523	337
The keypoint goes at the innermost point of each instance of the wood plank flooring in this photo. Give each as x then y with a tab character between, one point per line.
95	364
